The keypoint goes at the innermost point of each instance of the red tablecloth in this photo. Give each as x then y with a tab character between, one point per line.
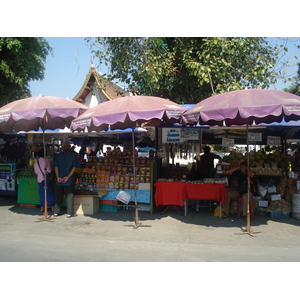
169	193
174	193
206	191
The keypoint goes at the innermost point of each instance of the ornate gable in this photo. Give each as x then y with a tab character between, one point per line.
97	88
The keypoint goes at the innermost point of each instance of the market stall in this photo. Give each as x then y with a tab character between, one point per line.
245	107
113	173
100	177
276	171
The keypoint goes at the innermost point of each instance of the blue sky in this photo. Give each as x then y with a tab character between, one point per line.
67	67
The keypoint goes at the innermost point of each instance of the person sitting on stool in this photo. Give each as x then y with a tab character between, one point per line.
242	178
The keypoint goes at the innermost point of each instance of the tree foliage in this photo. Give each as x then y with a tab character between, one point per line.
294	88
187	69
21	60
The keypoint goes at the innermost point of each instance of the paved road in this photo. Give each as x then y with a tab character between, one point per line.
105	237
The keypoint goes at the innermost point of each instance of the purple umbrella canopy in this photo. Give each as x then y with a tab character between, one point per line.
129	112
245	106
45	112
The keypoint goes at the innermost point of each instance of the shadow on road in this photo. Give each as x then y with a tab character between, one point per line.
203	217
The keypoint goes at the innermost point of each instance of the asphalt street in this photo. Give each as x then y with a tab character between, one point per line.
168	237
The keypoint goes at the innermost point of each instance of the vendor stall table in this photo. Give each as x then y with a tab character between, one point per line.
205	191
176	193
169	193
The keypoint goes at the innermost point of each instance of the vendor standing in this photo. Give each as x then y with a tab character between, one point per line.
241	173
41	166
206	165
65	164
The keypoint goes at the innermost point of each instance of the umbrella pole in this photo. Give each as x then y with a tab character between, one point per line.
248	230
134	179
137	223
46	216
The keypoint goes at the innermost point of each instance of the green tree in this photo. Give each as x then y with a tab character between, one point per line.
294	88
187	69
21	60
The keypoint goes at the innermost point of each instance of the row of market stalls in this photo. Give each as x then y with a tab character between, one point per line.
113	165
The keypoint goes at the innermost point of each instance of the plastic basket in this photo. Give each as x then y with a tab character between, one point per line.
279	215
108	208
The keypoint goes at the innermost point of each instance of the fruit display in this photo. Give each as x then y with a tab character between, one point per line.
266	164
27	172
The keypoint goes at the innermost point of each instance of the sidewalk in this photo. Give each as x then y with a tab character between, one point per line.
105	237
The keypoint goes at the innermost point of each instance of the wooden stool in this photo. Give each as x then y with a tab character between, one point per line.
239	206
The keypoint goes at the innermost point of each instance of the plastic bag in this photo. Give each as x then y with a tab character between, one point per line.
217	212
123	197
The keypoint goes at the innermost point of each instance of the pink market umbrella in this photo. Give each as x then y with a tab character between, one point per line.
129	112
245	107
45	112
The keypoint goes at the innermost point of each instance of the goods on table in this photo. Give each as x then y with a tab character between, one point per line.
280	206
115	171
27	172
265	164
286	188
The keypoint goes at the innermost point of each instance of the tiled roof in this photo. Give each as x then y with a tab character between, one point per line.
94	79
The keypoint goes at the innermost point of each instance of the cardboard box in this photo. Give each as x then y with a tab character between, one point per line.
144	186
86	204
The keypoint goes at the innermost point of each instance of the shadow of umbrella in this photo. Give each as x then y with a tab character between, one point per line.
129	112
42	112
245	107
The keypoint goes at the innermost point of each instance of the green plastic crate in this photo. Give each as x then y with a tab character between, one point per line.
109	208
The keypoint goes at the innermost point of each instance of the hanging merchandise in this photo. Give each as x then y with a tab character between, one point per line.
166	151
177	151
173	151
184	151
193	150
198	151
190	151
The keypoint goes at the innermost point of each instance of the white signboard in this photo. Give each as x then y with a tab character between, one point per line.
179	135
227	142
189	134
171	135
255	136
274	140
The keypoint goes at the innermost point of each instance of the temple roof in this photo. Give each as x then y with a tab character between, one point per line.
96	80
